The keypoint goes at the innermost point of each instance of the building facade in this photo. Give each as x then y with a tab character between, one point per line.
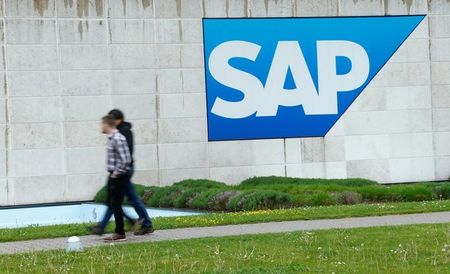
65	63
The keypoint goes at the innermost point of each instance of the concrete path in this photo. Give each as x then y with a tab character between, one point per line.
231	230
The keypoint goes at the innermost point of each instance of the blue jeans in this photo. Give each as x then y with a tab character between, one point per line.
133	197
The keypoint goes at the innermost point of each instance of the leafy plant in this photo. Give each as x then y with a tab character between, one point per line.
277	192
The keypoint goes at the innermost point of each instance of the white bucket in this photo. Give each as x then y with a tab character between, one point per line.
74	244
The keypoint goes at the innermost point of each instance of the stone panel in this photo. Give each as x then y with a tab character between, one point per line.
29	8
33	83
36	185
35	57
82	31
35	109
26	31
86	82
36	162
36	135
132	31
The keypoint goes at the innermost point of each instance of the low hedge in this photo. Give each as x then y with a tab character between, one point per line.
100	197
275	180
281	192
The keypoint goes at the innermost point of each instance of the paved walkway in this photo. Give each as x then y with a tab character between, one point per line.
231	230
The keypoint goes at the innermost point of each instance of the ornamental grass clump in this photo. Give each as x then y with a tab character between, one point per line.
259	199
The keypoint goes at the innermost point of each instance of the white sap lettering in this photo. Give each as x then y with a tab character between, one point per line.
288	55
225	74
329	81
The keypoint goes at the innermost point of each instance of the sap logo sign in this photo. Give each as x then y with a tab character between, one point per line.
265	99
292	77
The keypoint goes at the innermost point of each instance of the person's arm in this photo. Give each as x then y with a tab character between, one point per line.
124	158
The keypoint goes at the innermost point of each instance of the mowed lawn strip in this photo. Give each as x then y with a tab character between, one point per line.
305	213
400	249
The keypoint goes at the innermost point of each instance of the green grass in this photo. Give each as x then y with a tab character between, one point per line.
283	192
402	249
304	213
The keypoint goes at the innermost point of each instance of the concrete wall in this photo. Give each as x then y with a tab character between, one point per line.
66	62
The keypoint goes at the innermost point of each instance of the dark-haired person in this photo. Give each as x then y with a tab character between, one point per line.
130	191
118	167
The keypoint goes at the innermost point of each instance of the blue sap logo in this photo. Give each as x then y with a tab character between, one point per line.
292	77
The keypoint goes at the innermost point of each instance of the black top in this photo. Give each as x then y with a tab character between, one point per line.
125	129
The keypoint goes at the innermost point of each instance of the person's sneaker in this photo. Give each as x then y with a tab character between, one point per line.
144	230
96	230
115	238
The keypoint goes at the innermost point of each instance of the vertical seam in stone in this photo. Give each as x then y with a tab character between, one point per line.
107	17
157	135
324	154
158	172
180	31
431	89
124	5
208	165
203	8
178	5
285	157
108	27
338	7
61	101
294	8
246	12
227	8
7	117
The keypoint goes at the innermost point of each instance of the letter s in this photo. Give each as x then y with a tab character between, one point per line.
229	76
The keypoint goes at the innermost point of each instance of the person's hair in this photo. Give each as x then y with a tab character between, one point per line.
109	120
117	114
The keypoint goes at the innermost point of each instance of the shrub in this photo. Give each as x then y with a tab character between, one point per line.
200	201
148	193
397	193
168	200
412	193
157	194
100	197
259	199
200	183
376	194
274	192
184	200
442	191
220	200
322	198
140	189
348	197
275	180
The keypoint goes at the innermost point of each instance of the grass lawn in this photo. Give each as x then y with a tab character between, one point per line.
402	249
305	213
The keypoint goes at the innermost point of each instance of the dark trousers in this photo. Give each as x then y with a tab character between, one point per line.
116	193
137	203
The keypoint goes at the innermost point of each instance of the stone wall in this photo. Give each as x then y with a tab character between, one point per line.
66	62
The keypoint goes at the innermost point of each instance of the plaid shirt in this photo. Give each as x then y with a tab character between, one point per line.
119	158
